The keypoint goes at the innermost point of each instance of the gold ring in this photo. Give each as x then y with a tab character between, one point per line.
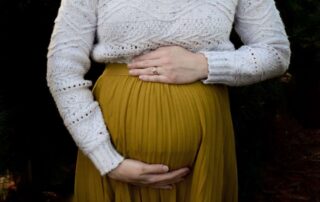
154	71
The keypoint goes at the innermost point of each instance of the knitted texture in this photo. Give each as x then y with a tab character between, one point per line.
117	30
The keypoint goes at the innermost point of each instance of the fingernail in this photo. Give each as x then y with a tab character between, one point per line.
165	168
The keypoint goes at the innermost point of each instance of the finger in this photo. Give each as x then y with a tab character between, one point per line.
154	169
170	182
174	176
170	176
145	63
146	71
155	78
155	54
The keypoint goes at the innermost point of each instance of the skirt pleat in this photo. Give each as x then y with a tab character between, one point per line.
176	125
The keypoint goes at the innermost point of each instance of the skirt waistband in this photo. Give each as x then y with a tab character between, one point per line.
116	69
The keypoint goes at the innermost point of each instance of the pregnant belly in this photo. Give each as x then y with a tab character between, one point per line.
153	122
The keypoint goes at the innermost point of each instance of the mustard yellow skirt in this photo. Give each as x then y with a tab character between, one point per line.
177	125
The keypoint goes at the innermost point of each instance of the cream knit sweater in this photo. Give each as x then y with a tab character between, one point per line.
117	30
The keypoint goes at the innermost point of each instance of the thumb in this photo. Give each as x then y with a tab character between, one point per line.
155	169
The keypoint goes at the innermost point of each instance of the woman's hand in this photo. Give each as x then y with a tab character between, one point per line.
152	175
170	64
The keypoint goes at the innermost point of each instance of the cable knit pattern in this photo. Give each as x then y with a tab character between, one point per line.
117	30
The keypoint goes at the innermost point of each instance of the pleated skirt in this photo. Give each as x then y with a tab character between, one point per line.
176	125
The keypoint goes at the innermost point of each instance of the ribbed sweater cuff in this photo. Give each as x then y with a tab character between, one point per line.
221	67
105	158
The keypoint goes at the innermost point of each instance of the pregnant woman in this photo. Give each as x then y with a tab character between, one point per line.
156	126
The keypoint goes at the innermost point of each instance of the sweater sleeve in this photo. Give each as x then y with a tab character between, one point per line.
265	53
67	63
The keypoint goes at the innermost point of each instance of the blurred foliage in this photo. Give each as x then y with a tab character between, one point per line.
8	150
303	22
253	111
4	138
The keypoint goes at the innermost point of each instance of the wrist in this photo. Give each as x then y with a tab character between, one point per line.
202	64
